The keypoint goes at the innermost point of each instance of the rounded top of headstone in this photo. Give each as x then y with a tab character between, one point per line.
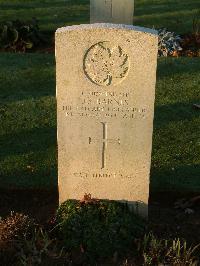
107	26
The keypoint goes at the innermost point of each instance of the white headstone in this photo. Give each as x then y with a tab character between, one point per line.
112	11
106	76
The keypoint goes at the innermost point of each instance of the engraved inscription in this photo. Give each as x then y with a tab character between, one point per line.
105	142
106	64
108	175
101	105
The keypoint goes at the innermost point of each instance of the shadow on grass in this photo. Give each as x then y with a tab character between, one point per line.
170	67
69	19
28	159
50	14
26	76
176	16
168	113
40	5
37	139
39	204
154	7
181	179
30	176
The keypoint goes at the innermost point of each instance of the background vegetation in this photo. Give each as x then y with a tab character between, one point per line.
28	106
175	15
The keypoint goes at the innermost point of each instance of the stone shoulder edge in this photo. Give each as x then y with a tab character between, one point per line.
106	26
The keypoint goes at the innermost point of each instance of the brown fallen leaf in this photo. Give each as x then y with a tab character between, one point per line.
88	199
175	54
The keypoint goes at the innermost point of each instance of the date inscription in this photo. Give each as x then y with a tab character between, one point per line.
101	105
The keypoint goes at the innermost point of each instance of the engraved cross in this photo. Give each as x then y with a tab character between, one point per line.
105	141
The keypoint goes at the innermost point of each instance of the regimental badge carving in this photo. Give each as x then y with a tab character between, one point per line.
106	64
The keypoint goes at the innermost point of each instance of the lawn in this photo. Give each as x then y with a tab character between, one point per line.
28	145
175	15
28	123
28	107
28	120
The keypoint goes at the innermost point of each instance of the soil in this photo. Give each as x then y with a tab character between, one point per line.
191	45
39	204
164	219
175	215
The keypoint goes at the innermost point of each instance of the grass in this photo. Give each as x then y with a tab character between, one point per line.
28	123
175	15
28	120
28	107
176	142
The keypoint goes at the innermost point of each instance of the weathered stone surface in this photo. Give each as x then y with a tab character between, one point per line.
112	11
106	77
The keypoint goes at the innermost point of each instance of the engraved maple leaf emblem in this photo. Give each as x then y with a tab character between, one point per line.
105	64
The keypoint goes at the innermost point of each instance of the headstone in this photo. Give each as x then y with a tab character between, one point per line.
112	11
106	77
